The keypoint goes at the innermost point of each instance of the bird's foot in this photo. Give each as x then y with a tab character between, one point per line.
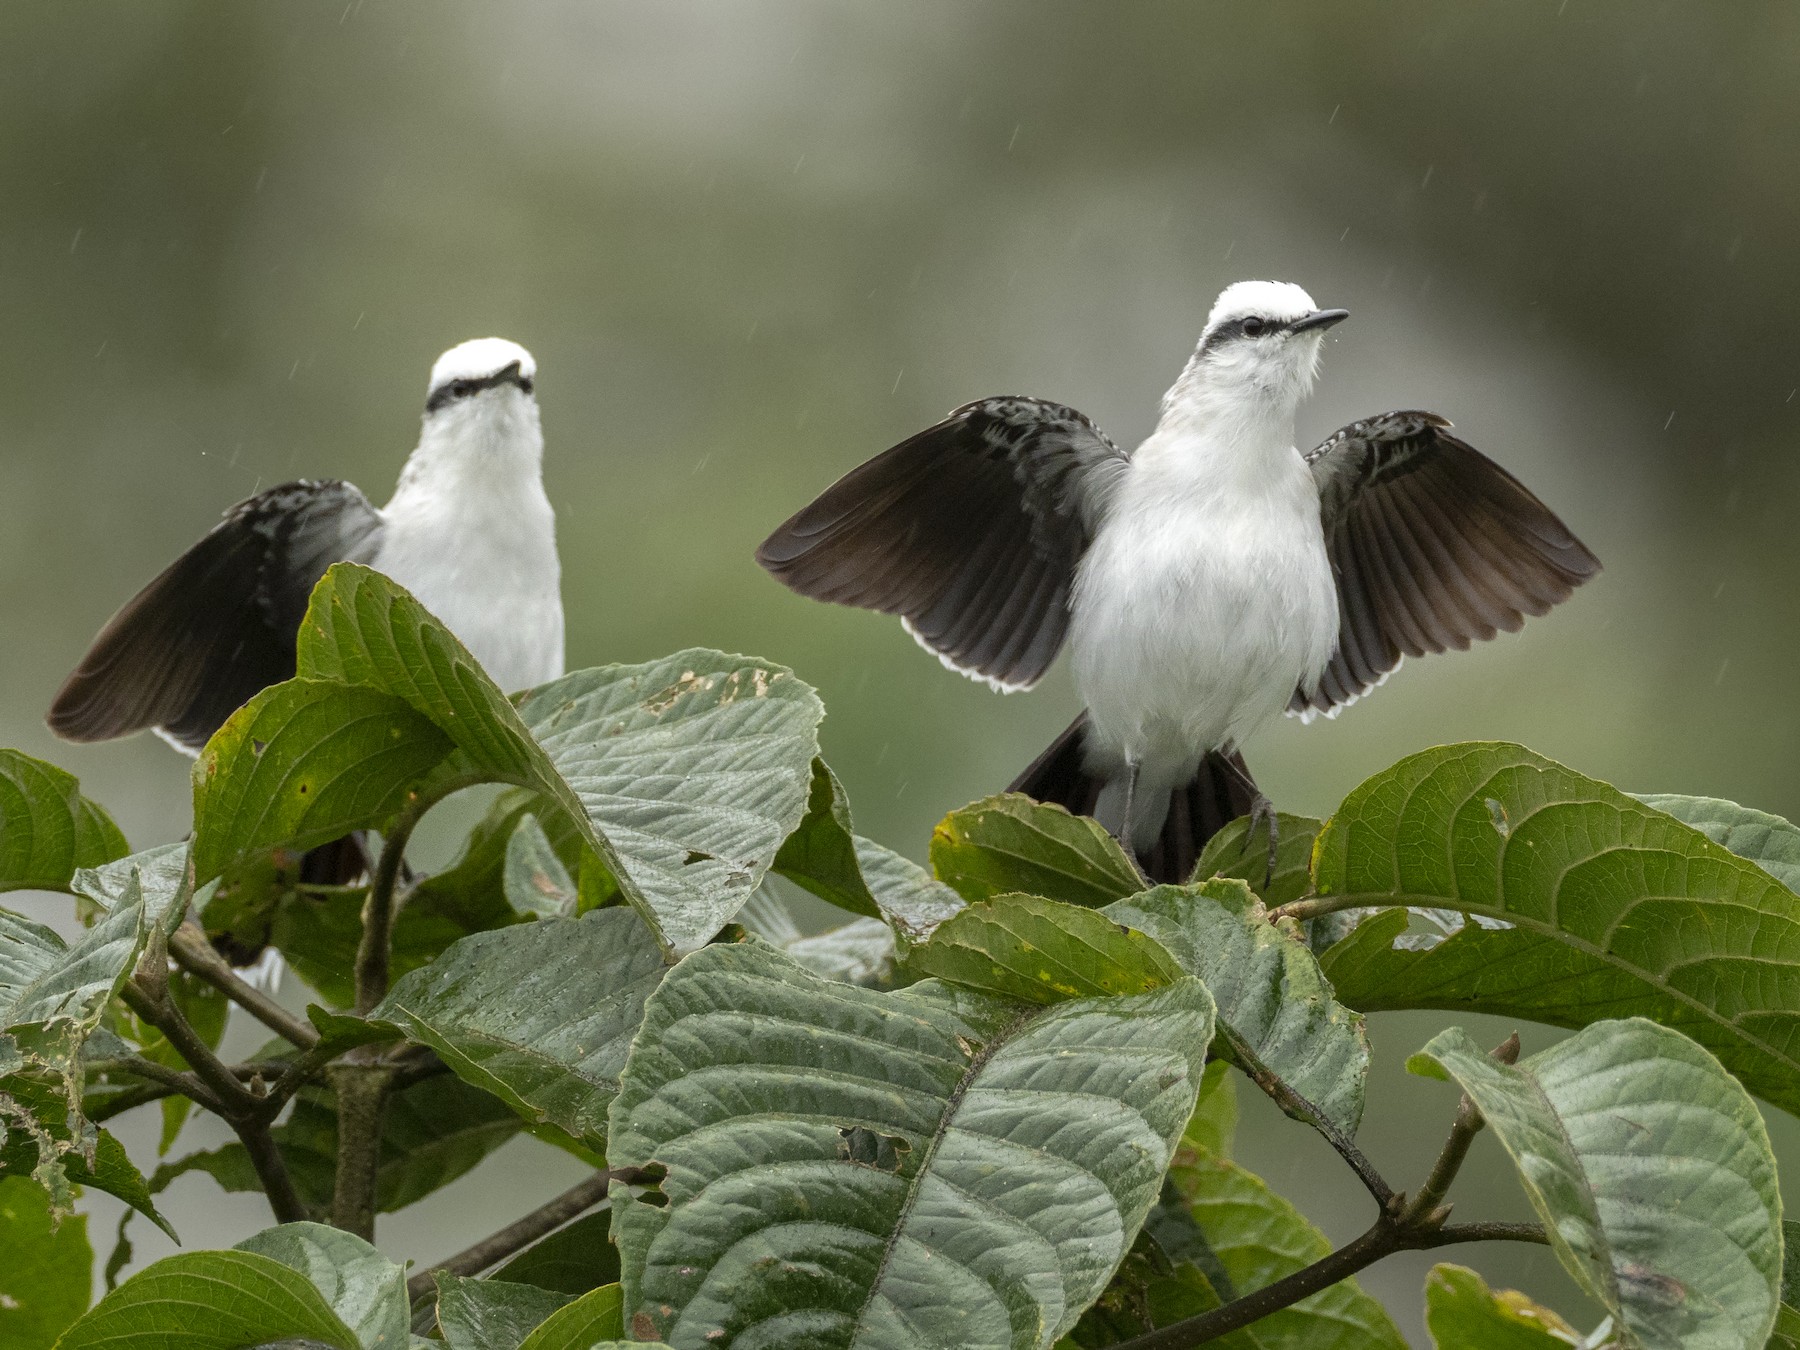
1262	812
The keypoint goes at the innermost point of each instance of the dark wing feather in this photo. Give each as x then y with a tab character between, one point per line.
970	531
219	623
1433	545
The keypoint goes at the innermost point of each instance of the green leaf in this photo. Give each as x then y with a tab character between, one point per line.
42	1139
388	711
490	1314
1651	1170
536	882
697	767
965	1166
1232	853
909	897
1039	951
1617	909
46	1270
1462	1313
432	1132
571	1260
307	761
593	1317
1010	843
210	1301
1770	842
1258	1238
540	1015
820	855
47	828
365	1289
1277	1015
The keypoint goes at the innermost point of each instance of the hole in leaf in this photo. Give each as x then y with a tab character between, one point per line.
867	1148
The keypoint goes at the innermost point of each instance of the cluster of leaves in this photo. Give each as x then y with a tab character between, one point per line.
994	1108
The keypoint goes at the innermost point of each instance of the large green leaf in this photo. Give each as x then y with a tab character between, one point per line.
1010	843
1651	1170
47	828
387	711
490	1314
1233	853
1770	842
1462	1313
432	1132
1617	908
308	760
1277	1015
46	1269
540	1015
210	1301
1042	951
365	1289
595	1316
697	767
842	1163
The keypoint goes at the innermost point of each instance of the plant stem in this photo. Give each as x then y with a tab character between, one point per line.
518	1235
192	951
1313	906
1401	1226
361	1083
378	910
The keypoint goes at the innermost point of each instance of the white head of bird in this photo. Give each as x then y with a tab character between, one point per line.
481	417
1256	359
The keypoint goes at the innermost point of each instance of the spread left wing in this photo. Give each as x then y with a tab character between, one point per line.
1433	546
970	531
219	624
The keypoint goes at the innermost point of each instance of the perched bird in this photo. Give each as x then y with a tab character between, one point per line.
468	531
1206	582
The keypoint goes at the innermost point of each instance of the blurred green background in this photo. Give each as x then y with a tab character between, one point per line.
751	244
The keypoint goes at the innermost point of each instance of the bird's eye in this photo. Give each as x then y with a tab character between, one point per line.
461	388
1254	327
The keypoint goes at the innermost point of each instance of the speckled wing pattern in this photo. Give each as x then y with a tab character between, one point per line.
219	624
1433	546
970	531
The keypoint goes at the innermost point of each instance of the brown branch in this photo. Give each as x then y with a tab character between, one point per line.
1401	1226
237	1105
1294	1105
194	954
519	1234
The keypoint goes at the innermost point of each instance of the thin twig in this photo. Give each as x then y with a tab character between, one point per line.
519	1234
192	951
1293	1104
235	1104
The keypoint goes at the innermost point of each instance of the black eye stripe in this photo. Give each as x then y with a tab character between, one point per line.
1233	329
452	390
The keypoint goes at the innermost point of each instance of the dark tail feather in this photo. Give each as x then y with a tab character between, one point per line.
338	863
1218	794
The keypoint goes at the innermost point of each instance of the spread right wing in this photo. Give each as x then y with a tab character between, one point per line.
970	531
219	624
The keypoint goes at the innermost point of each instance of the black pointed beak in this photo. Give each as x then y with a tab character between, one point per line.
1320	319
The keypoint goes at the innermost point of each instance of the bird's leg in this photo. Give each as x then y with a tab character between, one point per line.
1263	810
1131	779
